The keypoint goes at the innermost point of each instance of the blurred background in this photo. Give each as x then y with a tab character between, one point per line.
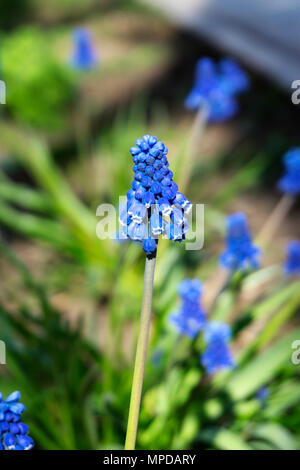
69	302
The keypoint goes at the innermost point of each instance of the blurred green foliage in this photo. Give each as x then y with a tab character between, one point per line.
39	89
82	393
181	407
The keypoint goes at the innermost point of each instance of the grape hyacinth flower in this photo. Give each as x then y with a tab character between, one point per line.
190	318
240	253
84	55
13	433
292	262
213	96
217	355
290	182
216	86
154	206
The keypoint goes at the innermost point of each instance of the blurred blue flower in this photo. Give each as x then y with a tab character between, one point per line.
292	262
190	318
154	206
290	182
217	330
217	355
190	289
233	77
217	86
263	394
222	106
13	433
240	253
84	55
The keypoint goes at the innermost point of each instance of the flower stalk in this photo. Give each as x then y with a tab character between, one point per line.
218	284
276	219
141	353
197	132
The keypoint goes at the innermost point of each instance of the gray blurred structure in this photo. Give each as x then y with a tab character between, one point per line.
264	34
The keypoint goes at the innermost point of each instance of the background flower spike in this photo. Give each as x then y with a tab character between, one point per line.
190	318
217	355
240	252
84	56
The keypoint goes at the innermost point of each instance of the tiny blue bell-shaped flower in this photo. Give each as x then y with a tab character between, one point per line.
25	442
149	246
23	428
13	397
84	56
9	441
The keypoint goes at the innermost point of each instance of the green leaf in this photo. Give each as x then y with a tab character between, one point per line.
245	381
285	396
275	301
25	197
274	325
277	435
224	439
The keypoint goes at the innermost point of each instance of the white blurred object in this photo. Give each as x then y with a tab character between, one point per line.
263	33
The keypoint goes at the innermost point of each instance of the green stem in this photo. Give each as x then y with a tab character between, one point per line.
141	352
192	149
221	281
275	221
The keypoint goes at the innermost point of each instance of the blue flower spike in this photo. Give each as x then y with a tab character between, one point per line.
84	56
154	206
216	86
217	355
190	318
290	182
240	252
292	262
13	433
